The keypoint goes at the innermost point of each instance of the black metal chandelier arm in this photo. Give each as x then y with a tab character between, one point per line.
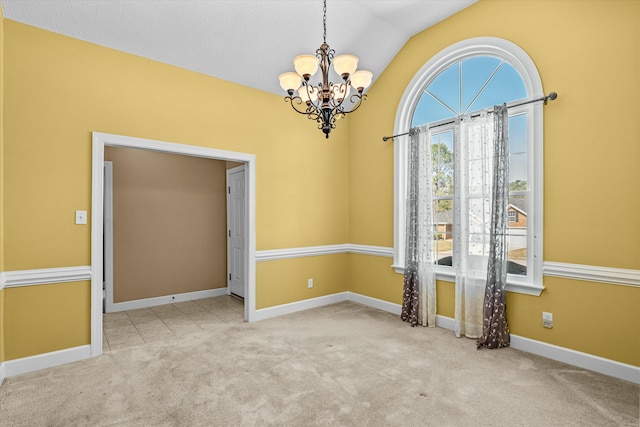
361	97
293	100
356	104
315	116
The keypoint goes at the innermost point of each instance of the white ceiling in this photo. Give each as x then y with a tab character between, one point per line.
248	42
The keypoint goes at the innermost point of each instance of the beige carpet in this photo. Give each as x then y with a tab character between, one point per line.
340	365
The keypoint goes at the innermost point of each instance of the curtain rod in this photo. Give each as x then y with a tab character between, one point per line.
550	97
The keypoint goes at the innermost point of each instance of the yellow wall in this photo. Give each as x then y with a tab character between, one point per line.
285	281
58	90
590	317
588	52
35	322
373	276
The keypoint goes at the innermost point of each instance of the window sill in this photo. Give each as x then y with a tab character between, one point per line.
513	285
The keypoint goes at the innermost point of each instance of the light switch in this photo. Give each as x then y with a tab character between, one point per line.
81	217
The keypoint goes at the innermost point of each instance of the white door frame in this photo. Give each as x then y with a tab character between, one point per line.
229	251
108	236
99	141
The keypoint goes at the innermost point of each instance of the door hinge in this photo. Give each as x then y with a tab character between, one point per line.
228	189
229	276
229	233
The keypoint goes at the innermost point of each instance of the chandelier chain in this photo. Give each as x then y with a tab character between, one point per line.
324	21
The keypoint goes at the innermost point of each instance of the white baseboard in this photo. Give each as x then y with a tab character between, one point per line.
280	310
577	358
3	373
375	303
566	355
167	299
441	321
46	360
445	322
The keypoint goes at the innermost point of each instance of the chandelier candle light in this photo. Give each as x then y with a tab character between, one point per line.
325	101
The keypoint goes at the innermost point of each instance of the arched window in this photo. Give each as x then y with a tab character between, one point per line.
467	77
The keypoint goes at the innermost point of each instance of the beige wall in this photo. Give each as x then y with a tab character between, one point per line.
169	223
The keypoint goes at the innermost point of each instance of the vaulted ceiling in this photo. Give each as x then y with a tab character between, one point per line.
249	42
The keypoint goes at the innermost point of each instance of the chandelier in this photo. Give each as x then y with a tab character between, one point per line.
324	102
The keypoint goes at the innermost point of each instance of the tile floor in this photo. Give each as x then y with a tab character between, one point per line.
129	328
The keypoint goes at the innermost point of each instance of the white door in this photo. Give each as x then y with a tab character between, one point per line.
236	231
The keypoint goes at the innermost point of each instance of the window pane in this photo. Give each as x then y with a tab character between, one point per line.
506	86
517	242
429	110
479	217
442	163
442	169
443	245
518	134
518	153
475	72
518	172
446	87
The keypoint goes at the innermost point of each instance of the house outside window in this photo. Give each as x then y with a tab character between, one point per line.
468	77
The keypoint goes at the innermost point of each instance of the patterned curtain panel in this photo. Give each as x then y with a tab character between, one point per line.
419	296
480	165
495	331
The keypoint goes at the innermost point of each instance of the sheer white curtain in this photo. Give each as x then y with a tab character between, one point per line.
474	177
419	296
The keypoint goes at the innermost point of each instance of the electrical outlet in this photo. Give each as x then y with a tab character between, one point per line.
547	319
81	217
310	283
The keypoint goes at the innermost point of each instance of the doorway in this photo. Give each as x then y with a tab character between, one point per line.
100	140
171	238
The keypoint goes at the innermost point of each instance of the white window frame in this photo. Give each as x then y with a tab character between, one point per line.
524	65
